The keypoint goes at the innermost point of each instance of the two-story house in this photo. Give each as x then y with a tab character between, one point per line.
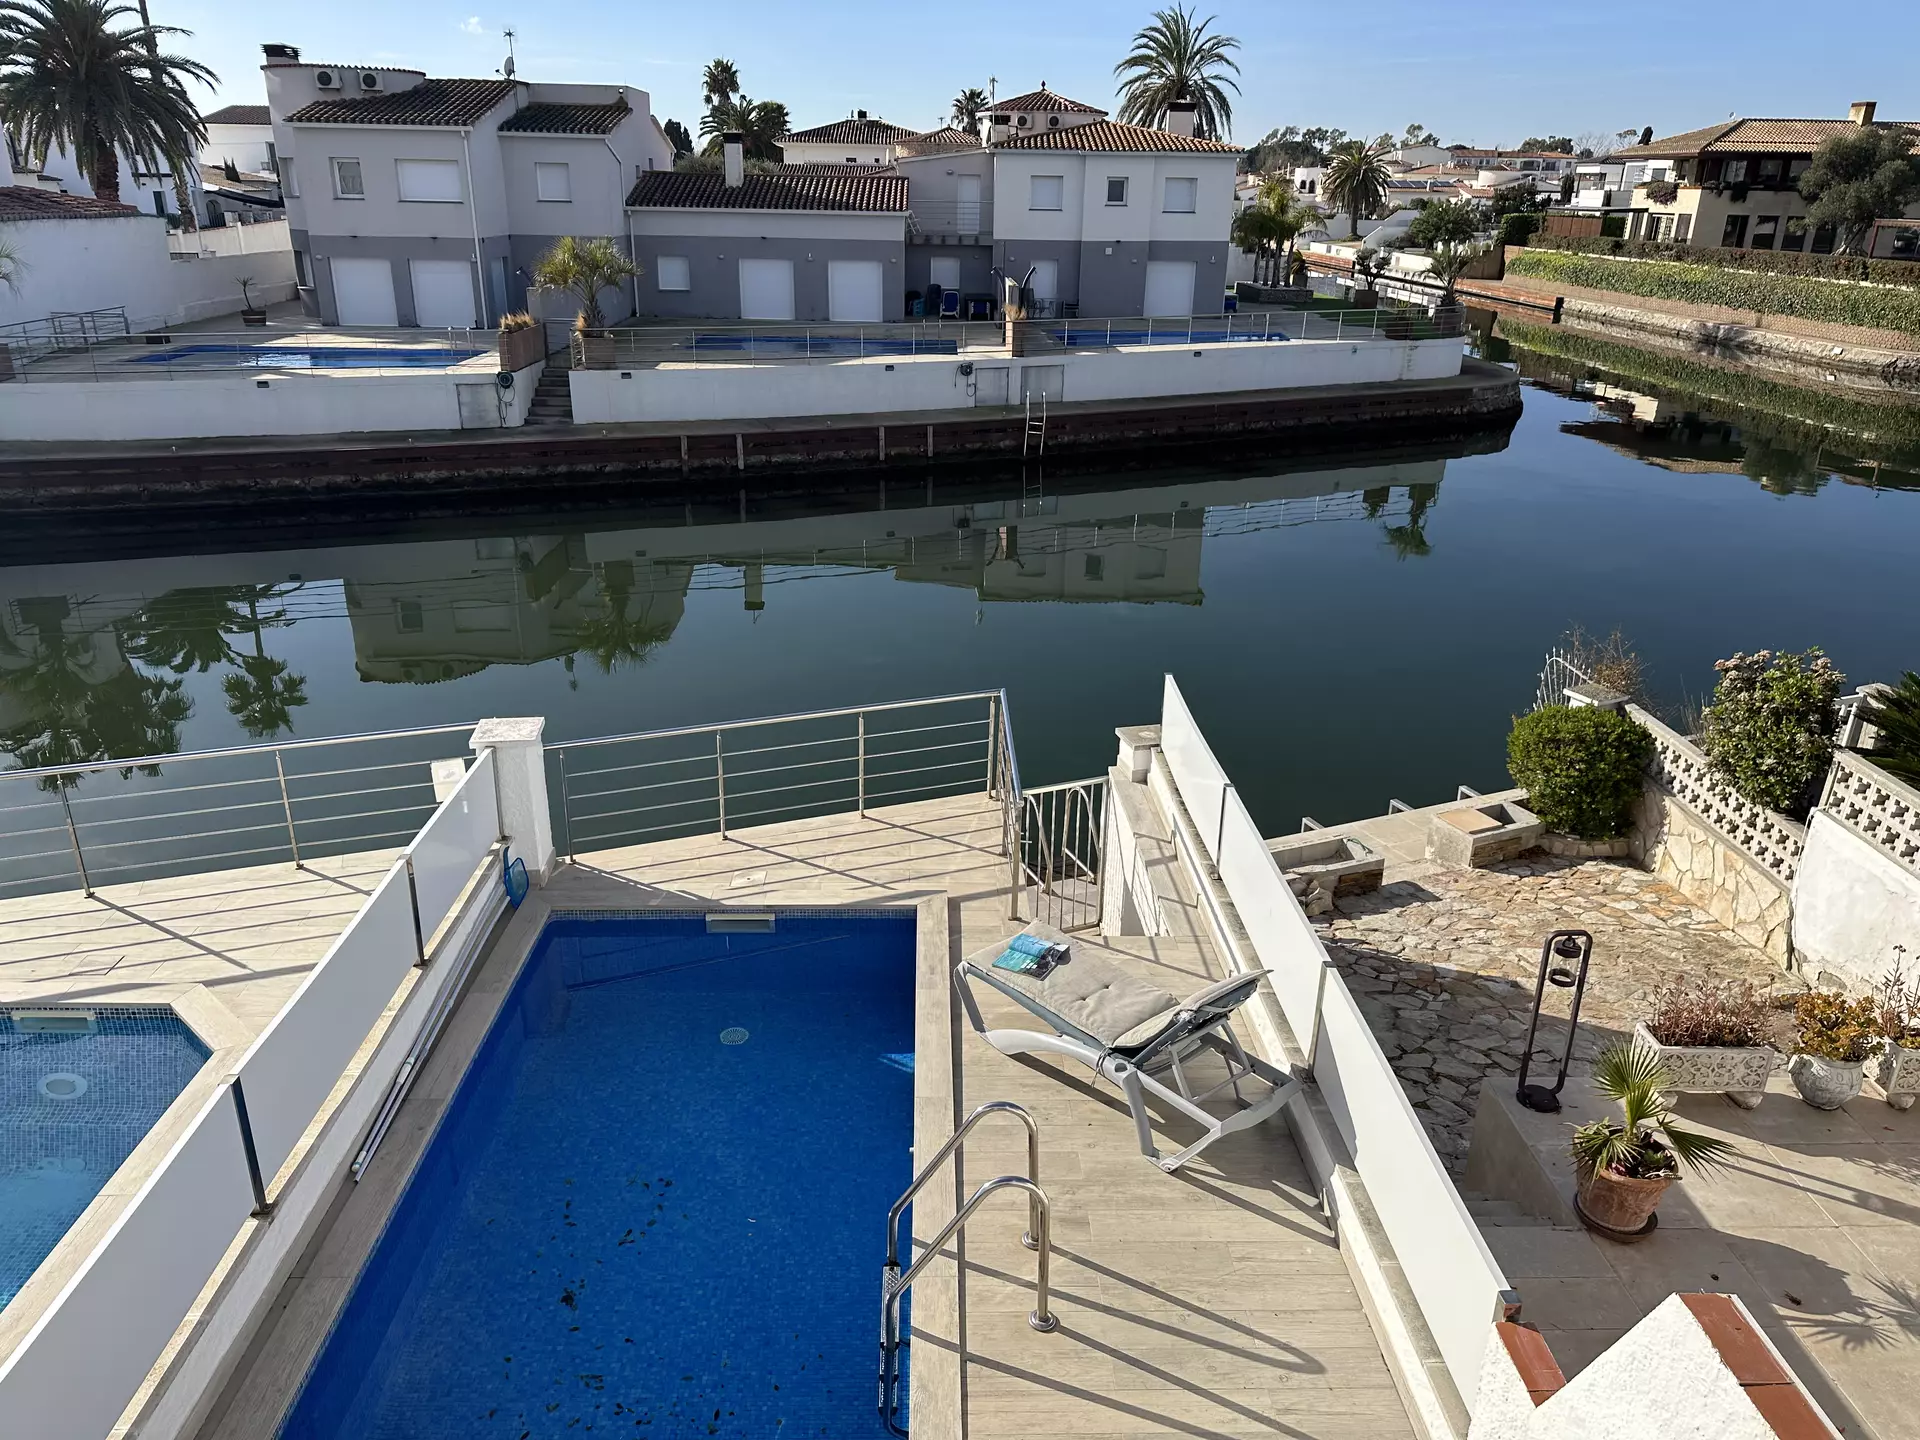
857	140
1737	184
422	201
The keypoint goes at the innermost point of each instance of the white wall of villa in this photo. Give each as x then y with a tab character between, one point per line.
1853	903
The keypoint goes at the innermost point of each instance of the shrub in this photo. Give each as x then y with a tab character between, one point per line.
1896	714
1700	1013
1581	766
1519	228
1769	730
1874	307
516	320
1771	262
1836	1028
1899	1003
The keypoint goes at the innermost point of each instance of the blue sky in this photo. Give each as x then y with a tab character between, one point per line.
1488	73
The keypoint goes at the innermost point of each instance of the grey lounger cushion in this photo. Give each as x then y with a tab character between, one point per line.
1105	1004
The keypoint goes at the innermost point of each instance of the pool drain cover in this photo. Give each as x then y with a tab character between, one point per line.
65	1085
733	1035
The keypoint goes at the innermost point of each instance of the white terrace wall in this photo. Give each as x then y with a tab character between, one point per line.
1856	894
934	382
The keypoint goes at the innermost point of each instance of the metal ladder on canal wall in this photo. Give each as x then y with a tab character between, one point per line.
894	1284
1035	439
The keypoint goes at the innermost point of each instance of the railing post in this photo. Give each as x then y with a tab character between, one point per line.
286	803
720	777
73	835
261	1207
860	765
566	817
413	900
993	747
1339	322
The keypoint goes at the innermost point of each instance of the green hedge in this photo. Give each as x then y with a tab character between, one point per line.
1771	262
1519	228
1581	767
1802	297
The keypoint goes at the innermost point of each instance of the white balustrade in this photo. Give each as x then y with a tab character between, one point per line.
1682	769
1883	810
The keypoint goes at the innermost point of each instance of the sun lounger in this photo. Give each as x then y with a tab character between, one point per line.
1134	1034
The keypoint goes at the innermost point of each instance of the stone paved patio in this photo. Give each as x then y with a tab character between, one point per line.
1443	964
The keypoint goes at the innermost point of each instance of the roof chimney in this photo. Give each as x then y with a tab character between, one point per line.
282	54
998	128
859	114
1180	117
1861	111
733	147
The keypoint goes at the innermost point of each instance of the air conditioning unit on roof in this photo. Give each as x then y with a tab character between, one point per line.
326	79
369	79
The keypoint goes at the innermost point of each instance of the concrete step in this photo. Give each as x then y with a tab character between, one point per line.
1487	1211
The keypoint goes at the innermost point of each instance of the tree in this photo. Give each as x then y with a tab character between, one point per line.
1551	144
968	106
1175	59
74	80
719	82
1356	181
761	124
1446	222
1418	135
1895	713
1268	226
1450	259
1863	174
679	138
585	268
11	265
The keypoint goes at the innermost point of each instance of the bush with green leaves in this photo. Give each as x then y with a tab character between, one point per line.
1445	222
1581	766
1519	227
1874	307
1772	262
1895	713
1769	729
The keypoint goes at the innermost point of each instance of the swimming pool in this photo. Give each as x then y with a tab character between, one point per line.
1174	333
843	346
78	1090
656	1204
309	357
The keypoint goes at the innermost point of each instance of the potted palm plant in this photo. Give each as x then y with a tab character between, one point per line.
586	269
523	341
1625	1166
1837	1038
1896	1069
1710	1039
250	313
1368	267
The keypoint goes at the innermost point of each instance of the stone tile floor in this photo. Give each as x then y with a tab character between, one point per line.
1443	964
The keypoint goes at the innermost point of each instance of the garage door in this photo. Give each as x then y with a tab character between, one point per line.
853	291
1169	287
443	293
363	292
766	289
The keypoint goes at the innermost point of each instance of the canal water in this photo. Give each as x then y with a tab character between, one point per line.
1347	630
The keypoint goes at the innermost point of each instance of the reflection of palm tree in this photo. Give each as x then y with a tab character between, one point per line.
614	638
1375	500
263	695
71	720
1411	538
184	630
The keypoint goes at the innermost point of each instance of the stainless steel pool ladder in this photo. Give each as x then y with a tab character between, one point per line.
894	1284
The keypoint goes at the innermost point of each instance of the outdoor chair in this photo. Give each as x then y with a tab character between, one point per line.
1134	1034
949	304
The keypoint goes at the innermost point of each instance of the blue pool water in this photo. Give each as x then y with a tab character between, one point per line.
72	1107
318	357
627	1225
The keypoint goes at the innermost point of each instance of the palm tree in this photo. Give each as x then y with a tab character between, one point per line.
72	80
761	124
1356	181
1270	224
263	695
968	106
720	82
585	267
11	265
1175	59
1449	261
1895	713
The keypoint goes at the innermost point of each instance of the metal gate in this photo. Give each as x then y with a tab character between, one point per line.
1060	843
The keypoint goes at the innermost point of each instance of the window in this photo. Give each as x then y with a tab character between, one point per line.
1796	236
552	180
1116	189
300	268
1734	172
1823	240
1797	168
430	181
271	153
1906	243
1682	229
1734	235
289	180
672	273
160	202
408	617
1765	229
1769	173
348	183
1045	192
1183	193
1096	567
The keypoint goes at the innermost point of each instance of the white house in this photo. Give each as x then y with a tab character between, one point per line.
857	140
240	136
421	201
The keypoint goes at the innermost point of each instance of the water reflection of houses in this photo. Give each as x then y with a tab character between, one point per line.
434	610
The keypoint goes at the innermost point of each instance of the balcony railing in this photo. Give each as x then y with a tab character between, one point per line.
951	217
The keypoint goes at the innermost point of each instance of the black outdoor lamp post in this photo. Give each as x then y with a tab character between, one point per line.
1562	945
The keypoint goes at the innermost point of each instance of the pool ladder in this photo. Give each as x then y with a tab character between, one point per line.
893	1284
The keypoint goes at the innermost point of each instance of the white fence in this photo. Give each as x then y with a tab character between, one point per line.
1459	1286
88	1354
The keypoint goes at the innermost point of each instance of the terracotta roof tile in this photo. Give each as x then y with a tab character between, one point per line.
238	115
27	202
431	102
827	167
1111	135
869	132
543	118
932	141
1045	99
705	190
1751	137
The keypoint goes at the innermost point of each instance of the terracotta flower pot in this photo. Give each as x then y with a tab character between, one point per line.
1826	1084
1620	1202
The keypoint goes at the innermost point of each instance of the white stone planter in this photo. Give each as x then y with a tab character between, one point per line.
1826	1084
1896	1070
1738	1072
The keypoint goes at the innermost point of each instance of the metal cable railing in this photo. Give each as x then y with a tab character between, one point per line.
39	354
1061	838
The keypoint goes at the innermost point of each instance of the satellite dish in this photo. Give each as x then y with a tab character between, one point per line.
506	67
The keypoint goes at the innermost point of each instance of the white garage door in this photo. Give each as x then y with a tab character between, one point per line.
363	292
766	289
853	291
443	293
1169	287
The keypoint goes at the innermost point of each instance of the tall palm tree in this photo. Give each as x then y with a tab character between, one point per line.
968	106
76	79
761	124
720	82
11	265
1175	59
1356	181
586	268
1270	225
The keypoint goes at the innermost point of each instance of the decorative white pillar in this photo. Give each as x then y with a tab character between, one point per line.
520	770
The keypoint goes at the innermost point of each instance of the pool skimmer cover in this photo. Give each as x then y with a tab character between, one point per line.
733	1035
